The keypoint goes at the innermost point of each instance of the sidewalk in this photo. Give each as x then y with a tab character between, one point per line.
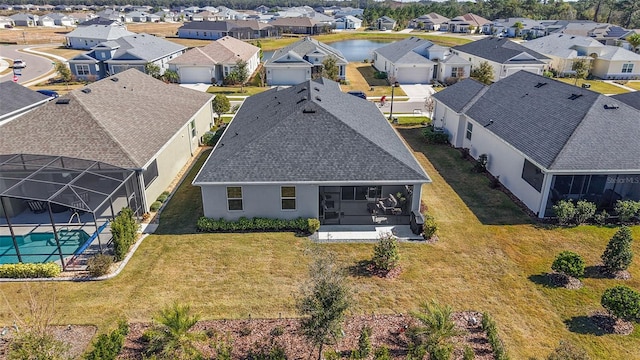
619	85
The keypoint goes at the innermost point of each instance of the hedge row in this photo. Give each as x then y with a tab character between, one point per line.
258	224
23	271
489	325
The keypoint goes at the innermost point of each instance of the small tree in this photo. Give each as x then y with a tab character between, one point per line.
634	41
567	351
565	211
519	26
430	105
330	68
323	302
240	73
569	264
63	70
171	338
622	302
152	69
385	253
582	68
123	228
171	76
364	343
221	105
435	331
618	254
626	210
483	73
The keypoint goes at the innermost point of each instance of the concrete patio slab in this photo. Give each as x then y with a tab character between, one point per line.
363	233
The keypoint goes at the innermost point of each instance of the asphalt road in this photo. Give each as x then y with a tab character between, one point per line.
36	65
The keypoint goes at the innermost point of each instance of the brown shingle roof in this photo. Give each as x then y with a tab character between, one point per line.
226	50
297	21
122	123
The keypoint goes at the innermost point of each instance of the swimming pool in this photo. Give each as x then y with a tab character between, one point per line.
41	247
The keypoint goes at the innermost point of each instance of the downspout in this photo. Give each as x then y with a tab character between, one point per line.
546	187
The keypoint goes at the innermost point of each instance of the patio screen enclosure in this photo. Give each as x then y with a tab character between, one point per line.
68	200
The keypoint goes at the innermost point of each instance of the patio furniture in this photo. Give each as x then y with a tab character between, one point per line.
389	206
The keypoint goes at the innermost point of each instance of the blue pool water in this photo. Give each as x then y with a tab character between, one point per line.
41	247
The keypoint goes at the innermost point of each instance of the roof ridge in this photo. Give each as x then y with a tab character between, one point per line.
475	98
206	55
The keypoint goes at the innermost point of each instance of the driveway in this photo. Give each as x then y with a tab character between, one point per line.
417	91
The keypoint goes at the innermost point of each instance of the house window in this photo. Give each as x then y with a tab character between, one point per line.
454	72
192	126
150	174
627	68
234	198
469	130
82	69
354	192
532	175
288	197
374	192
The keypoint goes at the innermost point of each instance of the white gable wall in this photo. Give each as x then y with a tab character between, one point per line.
606	69
501	71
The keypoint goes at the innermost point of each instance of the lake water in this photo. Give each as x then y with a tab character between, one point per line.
353	50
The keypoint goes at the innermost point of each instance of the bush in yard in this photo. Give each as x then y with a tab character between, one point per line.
569	263
313	225
435	331
108	346
618	254
429	228
622	302
36	345
155	206
382	353
489	326
124	229
626	210
567	351
601	217
585	210
565	211
162	198
364	344
385	253
28	270
99	265
171	338
253	224
211	138
434	137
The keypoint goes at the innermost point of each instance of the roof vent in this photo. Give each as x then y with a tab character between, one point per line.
308	111
318	98
574	96
540	84
63	101
316	89
86	90
301	100
611	106
302	90
114	79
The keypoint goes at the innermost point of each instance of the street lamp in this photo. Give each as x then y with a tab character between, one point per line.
393	87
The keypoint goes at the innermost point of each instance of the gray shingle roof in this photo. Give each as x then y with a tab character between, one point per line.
500	51
303	48
398	49
561	45
122	123
458	95
630	98
103	32
144	46
544	123
15	97
311	132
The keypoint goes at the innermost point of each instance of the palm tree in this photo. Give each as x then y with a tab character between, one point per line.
171	337
634	41
436	327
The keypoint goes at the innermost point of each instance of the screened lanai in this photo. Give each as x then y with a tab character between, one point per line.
58	209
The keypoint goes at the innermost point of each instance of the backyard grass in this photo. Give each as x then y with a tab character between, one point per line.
633	85
413	120
597	86
489	257
61	89
361	78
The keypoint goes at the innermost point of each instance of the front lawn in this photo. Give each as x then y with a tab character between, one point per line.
235	90
596	85
633	84
361	78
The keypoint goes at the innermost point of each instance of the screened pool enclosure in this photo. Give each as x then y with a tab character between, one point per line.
58	209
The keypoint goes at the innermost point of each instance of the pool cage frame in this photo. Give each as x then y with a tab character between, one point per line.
52	184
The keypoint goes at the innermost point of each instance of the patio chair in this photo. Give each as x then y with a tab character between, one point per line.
37	206
389	206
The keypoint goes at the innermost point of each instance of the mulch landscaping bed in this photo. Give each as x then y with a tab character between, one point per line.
254	334
77	337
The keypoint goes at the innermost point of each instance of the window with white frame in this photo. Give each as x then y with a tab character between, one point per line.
469	130
627	68
82	69
192	126
454	72
288	197
234	198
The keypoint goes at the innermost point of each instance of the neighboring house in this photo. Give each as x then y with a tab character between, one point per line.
168	16
349	11
111	14
302	61
335	165
239	29
130	120
207	16
17	100
631	98
505	56
430	21
385	23
418	61
62	19
300	25
213	62
348	23
86	37
467	23
607	62
6	22
45	20
262	9
546	140
23	19
139	16
509	27
133	51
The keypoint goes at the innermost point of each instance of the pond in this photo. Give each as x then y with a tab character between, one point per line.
353	50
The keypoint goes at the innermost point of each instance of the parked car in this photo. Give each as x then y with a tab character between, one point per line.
359	94
19	64
51	93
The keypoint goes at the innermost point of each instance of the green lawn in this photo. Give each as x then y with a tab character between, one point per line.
413	120
235	90
633	85
489	257
597	86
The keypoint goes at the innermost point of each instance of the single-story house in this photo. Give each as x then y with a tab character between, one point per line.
341	166
505	56
607	62
385	23
17	100
6	22
213	62
509	28
214	30
23	19
546	140
418	61
129	120
45	20
86	37
207	16
133	51
302	61
300	25
430	21
467	23
62	19
348	23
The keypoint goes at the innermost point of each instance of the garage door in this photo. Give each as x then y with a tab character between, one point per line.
192	75
288	76
413	75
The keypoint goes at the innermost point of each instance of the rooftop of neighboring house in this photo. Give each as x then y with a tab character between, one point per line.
563	45
502	51
227	50
142	46
559	126
526	22
432	18
105	32
306	47
326	141
630	98
16	97
226	25
295	21
105	121
471	19
403	51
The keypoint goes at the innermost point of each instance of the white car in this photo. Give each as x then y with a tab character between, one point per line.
19	64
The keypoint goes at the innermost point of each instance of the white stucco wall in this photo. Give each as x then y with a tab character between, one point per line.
605	69
260	201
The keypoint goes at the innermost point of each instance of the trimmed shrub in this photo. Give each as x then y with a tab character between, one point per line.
622	302
429	228
585	210
99	265
601	217
254	224
567	351
155	206
618	254
313	225
162	198
28	270
108	347
385	253
626	210
569	263
565	211
435	137
489	325
124	228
